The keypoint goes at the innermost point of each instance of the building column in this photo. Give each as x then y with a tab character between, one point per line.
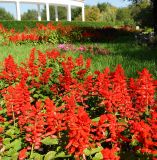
47	12
83	13
69	13
18	13
39	13
56	13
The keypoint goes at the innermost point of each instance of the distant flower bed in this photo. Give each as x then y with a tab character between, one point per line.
61	34
53	107
94	50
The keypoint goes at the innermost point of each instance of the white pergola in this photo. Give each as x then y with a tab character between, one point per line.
66	3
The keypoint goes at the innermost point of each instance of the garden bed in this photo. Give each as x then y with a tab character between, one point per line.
52	106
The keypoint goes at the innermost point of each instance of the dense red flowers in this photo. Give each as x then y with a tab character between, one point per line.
79	132
53	96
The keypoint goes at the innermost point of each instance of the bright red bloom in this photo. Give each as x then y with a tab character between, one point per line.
79	132
52	54
54	119
35	124
22	154
144	92
10	71
44	78
16	98
42	59
109	154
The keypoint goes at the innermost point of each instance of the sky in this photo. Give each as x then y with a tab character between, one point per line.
10	7
117	3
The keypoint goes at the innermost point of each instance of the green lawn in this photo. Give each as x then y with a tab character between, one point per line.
126	52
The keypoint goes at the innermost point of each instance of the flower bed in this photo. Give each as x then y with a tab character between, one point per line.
51	106
56	34
93	49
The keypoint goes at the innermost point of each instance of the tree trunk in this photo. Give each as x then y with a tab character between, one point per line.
155	15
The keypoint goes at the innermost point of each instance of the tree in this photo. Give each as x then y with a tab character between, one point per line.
108	12
4	15
92	13
123	13
124	16
103	6
30	15
109	15
141	12
76	12
154	11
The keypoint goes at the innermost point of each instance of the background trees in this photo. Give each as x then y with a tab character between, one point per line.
30	15
4	15
140	12
152	11
92	13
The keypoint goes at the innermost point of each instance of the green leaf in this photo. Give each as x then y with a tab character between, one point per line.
50	141
134	142
61	155
36	96
15	156
10	132
3	111
92	151
11	152
86	152
6	158
98	156
37	156
50	155
16	144
6	124
6	141
96	119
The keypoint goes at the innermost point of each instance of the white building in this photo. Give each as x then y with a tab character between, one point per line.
66	3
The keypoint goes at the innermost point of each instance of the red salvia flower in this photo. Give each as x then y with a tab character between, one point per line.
144	93
120	98
44	78
54	119
109	154
79	132
22	154
10	71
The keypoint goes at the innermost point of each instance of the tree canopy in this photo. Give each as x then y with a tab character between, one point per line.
30	15
4	15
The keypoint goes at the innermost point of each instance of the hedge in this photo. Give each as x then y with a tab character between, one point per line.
20	25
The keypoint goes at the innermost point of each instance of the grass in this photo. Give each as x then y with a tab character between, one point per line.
126	52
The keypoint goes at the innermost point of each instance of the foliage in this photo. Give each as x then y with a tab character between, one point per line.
92	14
108	12
30	15
53	107
103	6
109	15
135	14
76	12
4	15
142	12
124	15
21	25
